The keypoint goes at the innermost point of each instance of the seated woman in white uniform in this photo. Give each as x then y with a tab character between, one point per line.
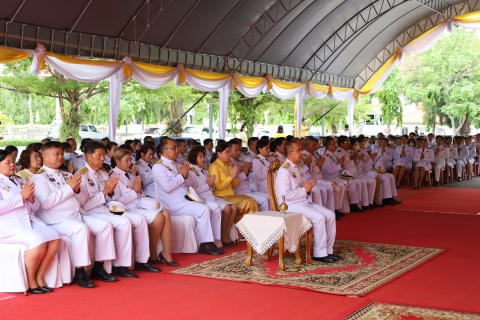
129	193
144	168
16	227
261	165
200	180
423	158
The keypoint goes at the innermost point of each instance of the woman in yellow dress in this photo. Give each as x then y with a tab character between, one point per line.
226	178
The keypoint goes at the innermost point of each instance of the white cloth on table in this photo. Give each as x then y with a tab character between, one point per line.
263	229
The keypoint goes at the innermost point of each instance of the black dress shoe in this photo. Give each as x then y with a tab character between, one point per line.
37	290
46	288
334	257
139	266
326	259
367	208
354	208
374	205
342	214
156	261
381	205
209	248
83	281
169	263
229	244
102	275
395	201
123	272
387	202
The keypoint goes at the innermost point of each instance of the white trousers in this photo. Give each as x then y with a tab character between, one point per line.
437	168
458	165
32	238
122	237
201	213
215	219
354	191
371	185
326	193
389	187
324	226
79	235
103	231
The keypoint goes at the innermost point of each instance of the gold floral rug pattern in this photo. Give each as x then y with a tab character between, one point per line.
362	268
381	311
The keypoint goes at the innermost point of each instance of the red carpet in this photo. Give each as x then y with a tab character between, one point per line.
450	281
447	200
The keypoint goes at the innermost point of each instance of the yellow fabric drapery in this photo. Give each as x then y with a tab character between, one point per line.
207	75
470	17
423	35
155	69
250	82
287	85
368	87
8	55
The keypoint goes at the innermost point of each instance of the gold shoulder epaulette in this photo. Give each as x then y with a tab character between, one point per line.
247	153
286	165
39	170
83	170
192	168
138	162
159	161
257	157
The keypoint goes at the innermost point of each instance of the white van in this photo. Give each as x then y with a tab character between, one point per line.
87	130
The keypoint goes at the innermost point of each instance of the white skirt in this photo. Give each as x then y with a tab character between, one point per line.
33	237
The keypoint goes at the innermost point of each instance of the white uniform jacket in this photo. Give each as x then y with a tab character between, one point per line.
442	155
428	157
15	216
148	184
331	168
58	201
92	186
403	161
260	167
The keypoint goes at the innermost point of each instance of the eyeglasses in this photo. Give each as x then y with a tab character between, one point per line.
299	150
174	148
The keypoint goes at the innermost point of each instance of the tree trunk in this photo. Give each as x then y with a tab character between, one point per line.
388	128
452	119
464	126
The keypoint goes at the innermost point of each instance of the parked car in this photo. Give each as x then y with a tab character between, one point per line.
86	130
198	132
154	132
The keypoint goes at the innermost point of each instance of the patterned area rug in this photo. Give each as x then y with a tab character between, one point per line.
363	267
378	310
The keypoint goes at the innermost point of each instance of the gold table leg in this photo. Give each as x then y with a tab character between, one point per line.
248	261
281	263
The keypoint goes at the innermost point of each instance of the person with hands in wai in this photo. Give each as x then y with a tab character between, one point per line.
129	193
60	196
99	186
226	180
203	184
172	190
291	184
18	225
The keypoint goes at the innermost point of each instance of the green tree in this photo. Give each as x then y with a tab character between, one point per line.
388	96
71	94
446	80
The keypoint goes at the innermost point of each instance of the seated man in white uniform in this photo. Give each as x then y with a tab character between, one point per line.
172	190
100	188
182	150
248	157
332	168
279	144
387	179
463	155
208	144
442	153
260	165
60	196
144	169
244	168
296	190
383	155
367	185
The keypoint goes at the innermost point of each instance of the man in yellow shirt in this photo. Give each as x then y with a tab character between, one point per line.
304	129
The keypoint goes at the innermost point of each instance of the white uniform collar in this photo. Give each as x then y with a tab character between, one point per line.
168	161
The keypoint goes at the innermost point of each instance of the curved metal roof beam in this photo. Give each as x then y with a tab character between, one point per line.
180	24
262	18
17	11
357	22
409	34
81	15
284	29
219	25
309	32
